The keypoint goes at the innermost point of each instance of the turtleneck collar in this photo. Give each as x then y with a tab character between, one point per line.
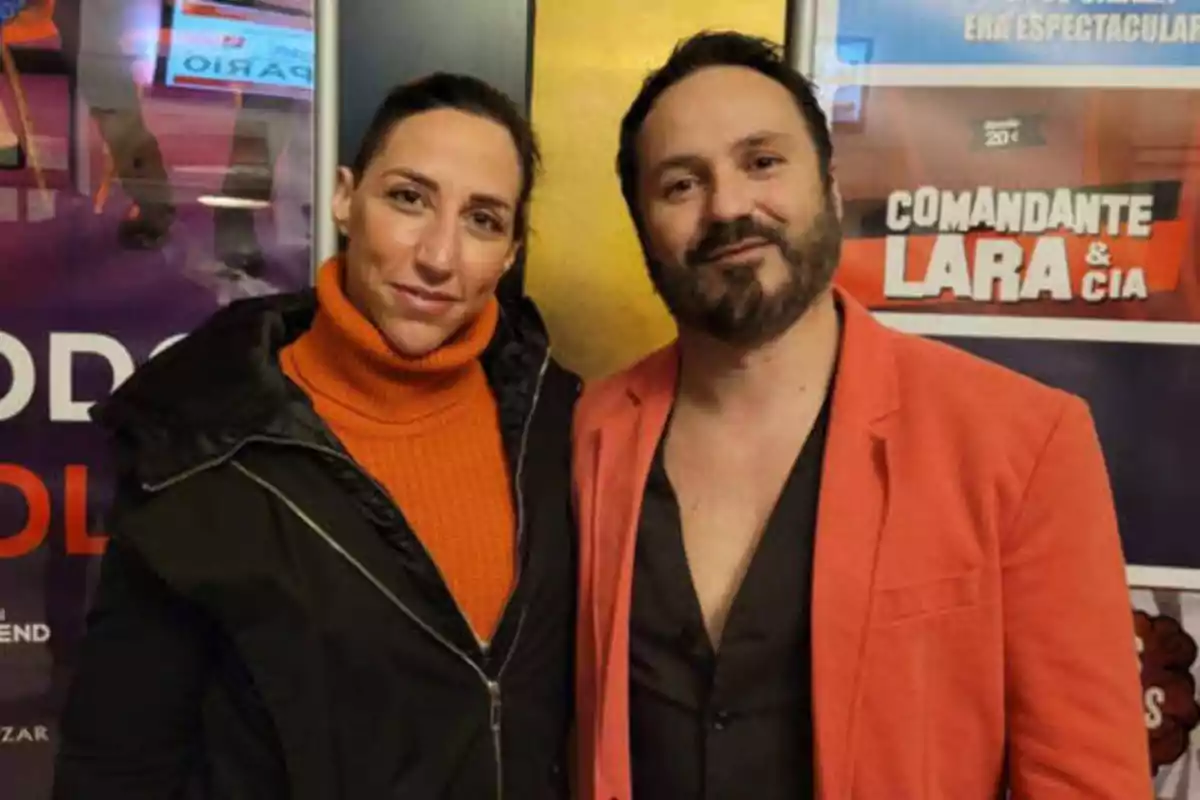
344	360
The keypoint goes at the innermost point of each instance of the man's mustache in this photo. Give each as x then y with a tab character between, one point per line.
724	235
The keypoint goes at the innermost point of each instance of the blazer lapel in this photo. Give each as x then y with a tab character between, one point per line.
624	451
850	518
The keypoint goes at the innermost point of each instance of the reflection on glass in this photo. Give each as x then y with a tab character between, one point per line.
155	163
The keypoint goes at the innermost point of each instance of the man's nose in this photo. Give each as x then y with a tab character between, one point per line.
731	197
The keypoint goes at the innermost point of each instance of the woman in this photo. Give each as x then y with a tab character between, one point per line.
341	562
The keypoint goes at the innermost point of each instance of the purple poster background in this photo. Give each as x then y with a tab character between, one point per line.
1138	396
80	306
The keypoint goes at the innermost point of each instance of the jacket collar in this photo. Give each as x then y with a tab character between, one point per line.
203	398
866	384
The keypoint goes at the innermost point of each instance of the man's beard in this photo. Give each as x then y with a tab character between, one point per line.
728	301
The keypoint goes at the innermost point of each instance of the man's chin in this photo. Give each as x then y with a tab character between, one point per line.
747	327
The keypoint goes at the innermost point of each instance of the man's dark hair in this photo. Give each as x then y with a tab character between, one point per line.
463	93
718	49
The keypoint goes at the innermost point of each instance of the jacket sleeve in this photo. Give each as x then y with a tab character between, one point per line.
130	728
1075	724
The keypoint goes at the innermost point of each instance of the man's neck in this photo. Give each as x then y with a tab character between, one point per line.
750	383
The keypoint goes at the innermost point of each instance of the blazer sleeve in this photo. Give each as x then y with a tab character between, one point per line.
130	727
1073	691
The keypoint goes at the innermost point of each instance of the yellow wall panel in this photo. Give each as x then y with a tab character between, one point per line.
585	269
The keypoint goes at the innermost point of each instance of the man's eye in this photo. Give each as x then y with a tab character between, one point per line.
765	162
676	188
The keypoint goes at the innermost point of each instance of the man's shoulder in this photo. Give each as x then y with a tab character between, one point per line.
959	375
604	396
974	398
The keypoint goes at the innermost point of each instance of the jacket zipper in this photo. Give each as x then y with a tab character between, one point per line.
495	707
518	487
495	698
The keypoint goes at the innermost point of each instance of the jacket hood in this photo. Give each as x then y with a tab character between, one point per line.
204	397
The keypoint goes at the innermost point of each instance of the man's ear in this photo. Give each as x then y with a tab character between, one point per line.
835	192
343	196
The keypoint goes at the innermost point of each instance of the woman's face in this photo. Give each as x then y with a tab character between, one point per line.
430	226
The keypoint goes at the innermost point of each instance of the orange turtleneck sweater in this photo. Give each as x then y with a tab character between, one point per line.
428	430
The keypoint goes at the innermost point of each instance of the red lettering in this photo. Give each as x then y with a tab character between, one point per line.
37	500
79	541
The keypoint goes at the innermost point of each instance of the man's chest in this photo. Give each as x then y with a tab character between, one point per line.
730	491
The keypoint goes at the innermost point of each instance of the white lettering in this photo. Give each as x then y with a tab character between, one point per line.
992	273
20	364
998	261
1152	703
1066	210
1047	271
27	633
64	349
10	734
895	282
899	211
1092	286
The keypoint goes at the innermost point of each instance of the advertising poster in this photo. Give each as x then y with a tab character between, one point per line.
119	228
1021	180
1166	625
1010	42
1073	209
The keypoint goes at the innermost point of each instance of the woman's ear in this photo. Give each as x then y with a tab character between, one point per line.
343	197
514	252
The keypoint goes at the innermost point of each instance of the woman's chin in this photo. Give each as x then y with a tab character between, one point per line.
410	349
414	340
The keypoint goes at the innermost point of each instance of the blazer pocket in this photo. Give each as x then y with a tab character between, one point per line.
925	599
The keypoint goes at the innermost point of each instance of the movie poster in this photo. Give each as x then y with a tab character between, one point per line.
1166	624
121	228
1021	179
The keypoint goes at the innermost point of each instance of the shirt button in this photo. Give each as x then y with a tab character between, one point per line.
721	720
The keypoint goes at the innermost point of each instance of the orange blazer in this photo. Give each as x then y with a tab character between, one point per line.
971	624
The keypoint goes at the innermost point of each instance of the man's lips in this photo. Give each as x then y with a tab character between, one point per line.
741	248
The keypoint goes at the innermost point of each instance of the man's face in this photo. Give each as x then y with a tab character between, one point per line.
739	231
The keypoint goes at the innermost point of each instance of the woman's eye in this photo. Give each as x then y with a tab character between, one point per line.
487	222
406	197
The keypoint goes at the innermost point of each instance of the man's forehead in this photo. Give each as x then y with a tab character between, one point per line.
718	107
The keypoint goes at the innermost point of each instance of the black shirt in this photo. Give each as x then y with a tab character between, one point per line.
708	725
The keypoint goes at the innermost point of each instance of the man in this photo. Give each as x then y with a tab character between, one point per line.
821	558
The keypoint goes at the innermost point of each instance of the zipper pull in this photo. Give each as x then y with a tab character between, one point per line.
493	688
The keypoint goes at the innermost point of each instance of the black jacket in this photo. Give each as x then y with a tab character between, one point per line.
267	626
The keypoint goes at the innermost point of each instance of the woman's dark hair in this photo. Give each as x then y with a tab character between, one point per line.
463	93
